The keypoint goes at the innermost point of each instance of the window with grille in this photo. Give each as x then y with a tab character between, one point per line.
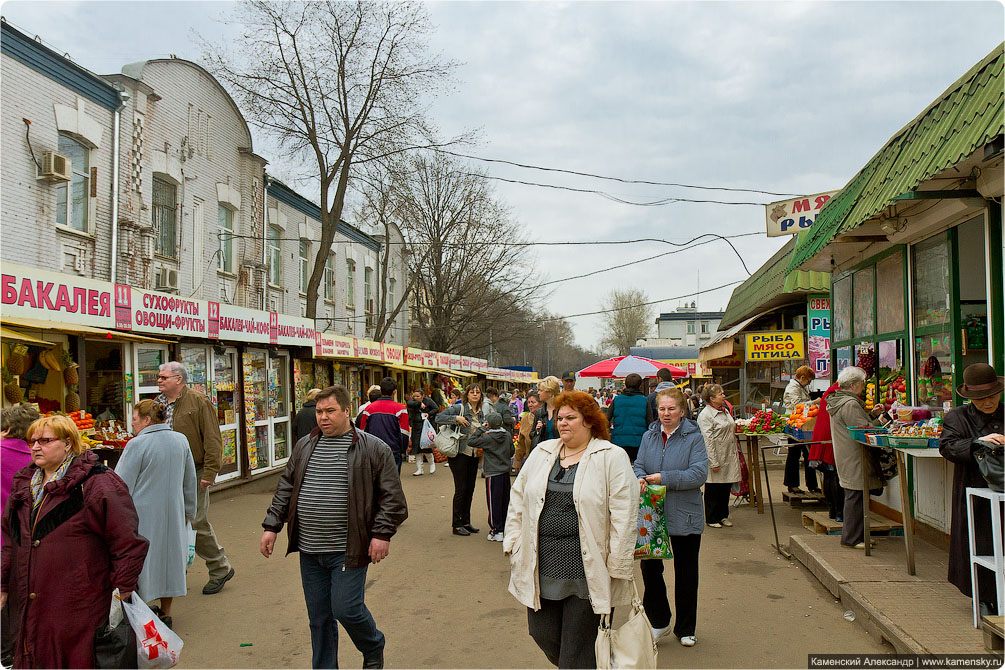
164	216
71	198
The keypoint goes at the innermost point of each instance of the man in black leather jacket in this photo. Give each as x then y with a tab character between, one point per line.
342	501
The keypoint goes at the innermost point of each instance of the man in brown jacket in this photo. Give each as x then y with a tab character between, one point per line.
192	414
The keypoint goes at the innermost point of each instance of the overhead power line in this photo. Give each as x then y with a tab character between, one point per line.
614	198
643	304
617	179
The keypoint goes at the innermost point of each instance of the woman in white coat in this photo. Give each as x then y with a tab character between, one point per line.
157	467
570	532
719	430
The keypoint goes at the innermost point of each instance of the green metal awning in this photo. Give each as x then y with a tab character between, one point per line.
770	286
967	116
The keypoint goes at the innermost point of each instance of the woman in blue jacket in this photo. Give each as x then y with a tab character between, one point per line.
673	454
627	414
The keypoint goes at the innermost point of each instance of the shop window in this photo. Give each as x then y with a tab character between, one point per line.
890	290
195	359
305	267
72	198
892	376
164	217
934	364
843	358
864	287
275	259
841	306
225	233
931	282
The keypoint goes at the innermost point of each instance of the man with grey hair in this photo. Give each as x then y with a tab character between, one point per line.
192	414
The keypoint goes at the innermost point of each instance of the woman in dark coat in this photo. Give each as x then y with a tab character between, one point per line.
306	419
69	538
980	419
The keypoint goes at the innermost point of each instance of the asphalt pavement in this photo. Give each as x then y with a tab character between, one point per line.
442	600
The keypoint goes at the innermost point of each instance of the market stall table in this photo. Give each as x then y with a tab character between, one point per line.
783	441
753	469
905	498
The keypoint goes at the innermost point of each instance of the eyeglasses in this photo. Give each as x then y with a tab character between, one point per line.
44	441
163	377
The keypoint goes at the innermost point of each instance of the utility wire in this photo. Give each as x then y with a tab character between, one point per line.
642	304
617	179
614	198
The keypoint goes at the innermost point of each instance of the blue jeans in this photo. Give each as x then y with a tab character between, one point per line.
334	593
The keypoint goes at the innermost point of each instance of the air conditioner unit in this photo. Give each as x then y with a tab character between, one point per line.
55	167
167	280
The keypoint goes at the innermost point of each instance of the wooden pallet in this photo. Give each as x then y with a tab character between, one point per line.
821	524
992	629
805	499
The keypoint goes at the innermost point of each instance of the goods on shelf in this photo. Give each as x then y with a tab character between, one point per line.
11	390
83	420
893	389
870	396
112	433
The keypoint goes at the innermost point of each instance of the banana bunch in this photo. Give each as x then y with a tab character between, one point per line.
89	443
51	360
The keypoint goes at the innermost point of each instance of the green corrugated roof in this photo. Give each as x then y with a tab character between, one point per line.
769	287
964	118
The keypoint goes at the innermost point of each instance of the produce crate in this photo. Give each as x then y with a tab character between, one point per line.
916	442
878	439
859	432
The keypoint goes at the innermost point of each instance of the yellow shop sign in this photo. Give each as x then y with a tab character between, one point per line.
775	346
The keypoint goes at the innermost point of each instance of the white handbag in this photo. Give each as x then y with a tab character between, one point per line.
630	646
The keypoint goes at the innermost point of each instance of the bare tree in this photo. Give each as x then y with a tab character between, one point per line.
466	281
338	84
628	319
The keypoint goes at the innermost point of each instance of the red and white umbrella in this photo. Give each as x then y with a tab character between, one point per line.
622	366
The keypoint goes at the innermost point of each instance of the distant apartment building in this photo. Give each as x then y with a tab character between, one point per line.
685	327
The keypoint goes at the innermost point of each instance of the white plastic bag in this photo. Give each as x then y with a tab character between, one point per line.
190	534
428	435
157	646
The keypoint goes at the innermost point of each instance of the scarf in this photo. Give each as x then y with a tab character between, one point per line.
36	479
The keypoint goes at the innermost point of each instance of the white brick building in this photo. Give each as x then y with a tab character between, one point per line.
195	214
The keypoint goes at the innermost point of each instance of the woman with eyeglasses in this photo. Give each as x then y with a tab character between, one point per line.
570	532
70	537
160	473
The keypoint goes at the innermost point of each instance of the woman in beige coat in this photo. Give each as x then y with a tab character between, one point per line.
570	532
719	430
847	409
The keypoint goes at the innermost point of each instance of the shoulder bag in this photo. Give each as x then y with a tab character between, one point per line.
989	457
448	440
630	646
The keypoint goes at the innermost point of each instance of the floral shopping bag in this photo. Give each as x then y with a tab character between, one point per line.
652	540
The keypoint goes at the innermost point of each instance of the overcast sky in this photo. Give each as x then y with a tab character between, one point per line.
790	97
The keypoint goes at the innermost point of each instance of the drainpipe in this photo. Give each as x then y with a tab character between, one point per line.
115	188
265	241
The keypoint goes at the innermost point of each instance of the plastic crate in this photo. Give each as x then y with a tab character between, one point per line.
916	442
878	439
859	432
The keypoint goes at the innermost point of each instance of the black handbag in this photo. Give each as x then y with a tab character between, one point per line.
115	647
989	457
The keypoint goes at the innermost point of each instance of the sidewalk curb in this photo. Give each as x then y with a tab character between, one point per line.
878	625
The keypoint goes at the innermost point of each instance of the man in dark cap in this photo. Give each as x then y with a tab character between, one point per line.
963	428
569	381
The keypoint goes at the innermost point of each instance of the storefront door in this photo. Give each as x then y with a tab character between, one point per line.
266	402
